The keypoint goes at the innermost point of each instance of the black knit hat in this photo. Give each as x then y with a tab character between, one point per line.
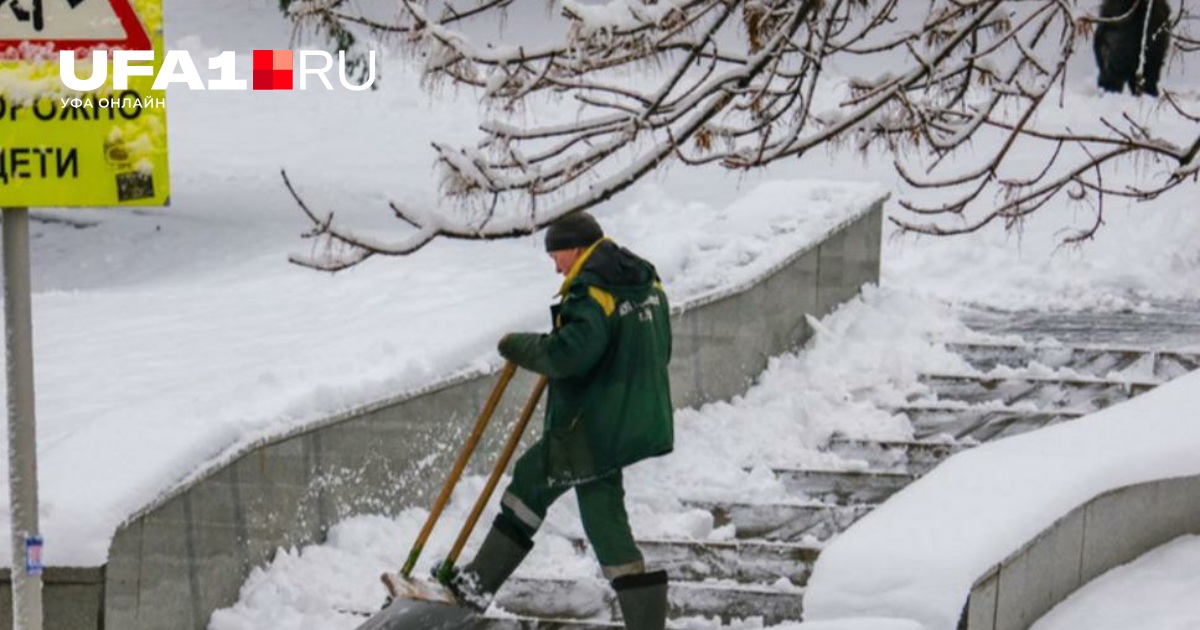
578	229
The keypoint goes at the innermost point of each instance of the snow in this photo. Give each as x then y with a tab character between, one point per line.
928	544
167	341
724	451
865	356
1155	591
1143	252
619	15
757	233
184	371
864	623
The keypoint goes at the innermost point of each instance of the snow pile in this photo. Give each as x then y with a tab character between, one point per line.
918	554
863	357
1143	252
1157	591
700	252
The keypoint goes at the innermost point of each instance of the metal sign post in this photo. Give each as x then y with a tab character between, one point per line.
22	426
105	148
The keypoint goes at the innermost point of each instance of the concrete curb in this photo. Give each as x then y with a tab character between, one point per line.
1104	533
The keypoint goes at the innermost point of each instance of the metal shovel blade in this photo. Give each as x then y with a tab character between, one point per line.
419	605
415	614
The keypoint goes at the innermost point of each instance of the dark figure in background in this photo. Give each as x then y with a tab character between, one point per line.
1119	45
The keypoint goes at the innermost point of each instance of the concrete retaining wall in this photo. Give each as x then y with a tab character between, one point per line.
181	558
1108	531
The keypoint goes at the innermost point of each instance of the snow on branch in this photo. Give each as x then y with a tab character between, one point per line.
958	93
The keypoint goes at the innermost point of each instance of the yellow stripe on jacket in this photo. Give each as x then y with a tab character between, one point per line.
604	298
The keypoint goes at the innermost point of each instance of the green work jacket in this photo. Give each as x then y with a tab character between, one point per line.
606	358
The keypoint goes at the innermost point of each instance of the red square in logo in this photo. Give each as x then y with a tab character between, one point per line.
272	69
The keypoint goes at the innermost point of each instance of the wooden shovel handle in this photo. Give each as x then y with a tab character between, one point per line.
481	423
510	447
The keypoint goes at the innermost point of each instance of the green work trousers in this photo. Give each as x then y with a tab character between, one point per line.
601	507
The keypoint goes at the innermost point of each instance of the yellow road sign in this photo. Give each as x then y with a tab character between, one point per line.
58	147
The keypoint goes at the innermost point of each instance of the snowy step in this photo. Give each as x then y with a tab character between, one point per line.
519	622
981	423
1164	325
783	521
774	604
844	487
594	600
743	561
1099	362
1172	365
1044	393
912	457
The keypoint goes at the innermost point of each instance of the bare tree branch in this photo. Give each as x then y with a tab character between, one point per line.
955	87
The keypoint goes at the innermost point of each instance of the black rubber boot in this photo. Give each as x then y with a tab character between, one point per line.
643	598
503	550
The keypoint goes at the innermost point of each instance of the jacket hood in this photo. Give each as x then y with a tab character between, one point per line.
615	267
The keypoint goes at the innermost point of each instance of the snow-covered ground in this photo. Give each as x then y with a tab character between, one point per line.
166	338
1155	591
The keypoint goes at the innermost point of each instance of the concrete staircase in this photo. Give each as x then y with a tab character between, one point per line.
763	572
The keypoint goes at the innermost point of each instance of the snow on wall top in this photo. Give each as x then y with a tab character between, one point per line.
917	556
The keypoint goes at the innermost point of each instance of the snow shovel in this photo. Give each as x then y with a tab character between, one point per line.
417	604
